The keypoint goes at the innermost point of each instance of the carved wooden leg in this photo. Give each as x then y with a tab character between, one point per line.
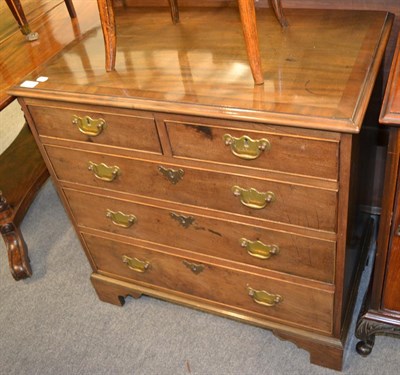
71	8
277	6
366	331
19	15
173	5
107	19
16	248
249	26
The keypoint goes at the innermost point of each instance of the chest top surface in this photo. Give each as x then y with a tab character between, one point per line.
318	72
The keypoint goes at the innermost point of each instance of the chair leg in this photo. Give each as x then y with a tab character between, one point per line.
173	5
71	8
277	6
19	15
249	26
107	19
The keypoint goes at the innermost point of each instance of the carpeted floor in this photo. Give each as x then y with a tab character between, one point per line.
53	323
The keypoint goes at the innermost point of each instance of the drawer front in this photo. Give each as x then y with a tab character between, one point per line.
131	132
291	204
282	152
296	304
282	251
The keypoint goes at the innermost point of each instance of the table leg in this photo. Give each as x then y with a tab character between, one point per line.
19	15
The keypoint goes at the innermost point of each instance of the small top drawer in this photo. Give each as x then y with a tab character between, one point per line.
308	153
136	130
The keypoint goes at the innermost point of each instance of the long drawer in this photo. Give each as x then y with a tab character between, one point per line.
273	298
309	153
135	131
259	198
260	247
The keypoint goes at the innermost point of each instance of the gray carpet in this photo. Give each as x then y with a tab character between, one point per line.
53	323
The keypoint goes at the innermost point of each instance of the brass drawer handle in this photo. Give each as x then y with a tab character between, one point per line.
195	268
259	250
121	219
264	298
89	126
104	172
245	147
135	264
253	198
172	175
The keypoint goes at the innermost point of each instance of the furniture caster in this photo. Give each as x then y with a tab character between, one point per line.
364	348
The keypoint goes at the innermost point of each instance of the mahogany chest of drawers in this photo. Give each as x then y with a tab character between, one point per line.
187	183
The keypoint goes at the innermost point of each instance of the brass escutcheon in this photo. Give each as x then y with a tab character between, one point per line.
172	175
185	221
245	147
121	219
195	268
135	264
104	172
253	198
259	250
89	126
264	298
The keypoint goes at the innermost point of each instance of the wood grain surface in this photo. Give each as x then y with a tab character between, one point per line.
56	29
315	76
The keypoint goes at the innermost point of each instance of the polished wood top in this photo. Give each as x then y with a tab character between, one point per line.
390	113
50	19
318	72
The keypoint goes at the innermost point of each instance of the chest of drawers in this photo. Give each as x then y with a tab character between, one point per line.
187	183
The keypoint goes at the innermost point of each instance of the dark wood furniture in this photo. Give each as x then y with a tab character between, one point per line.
19	15
188	183
382	315
249	27
22	169
22	173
